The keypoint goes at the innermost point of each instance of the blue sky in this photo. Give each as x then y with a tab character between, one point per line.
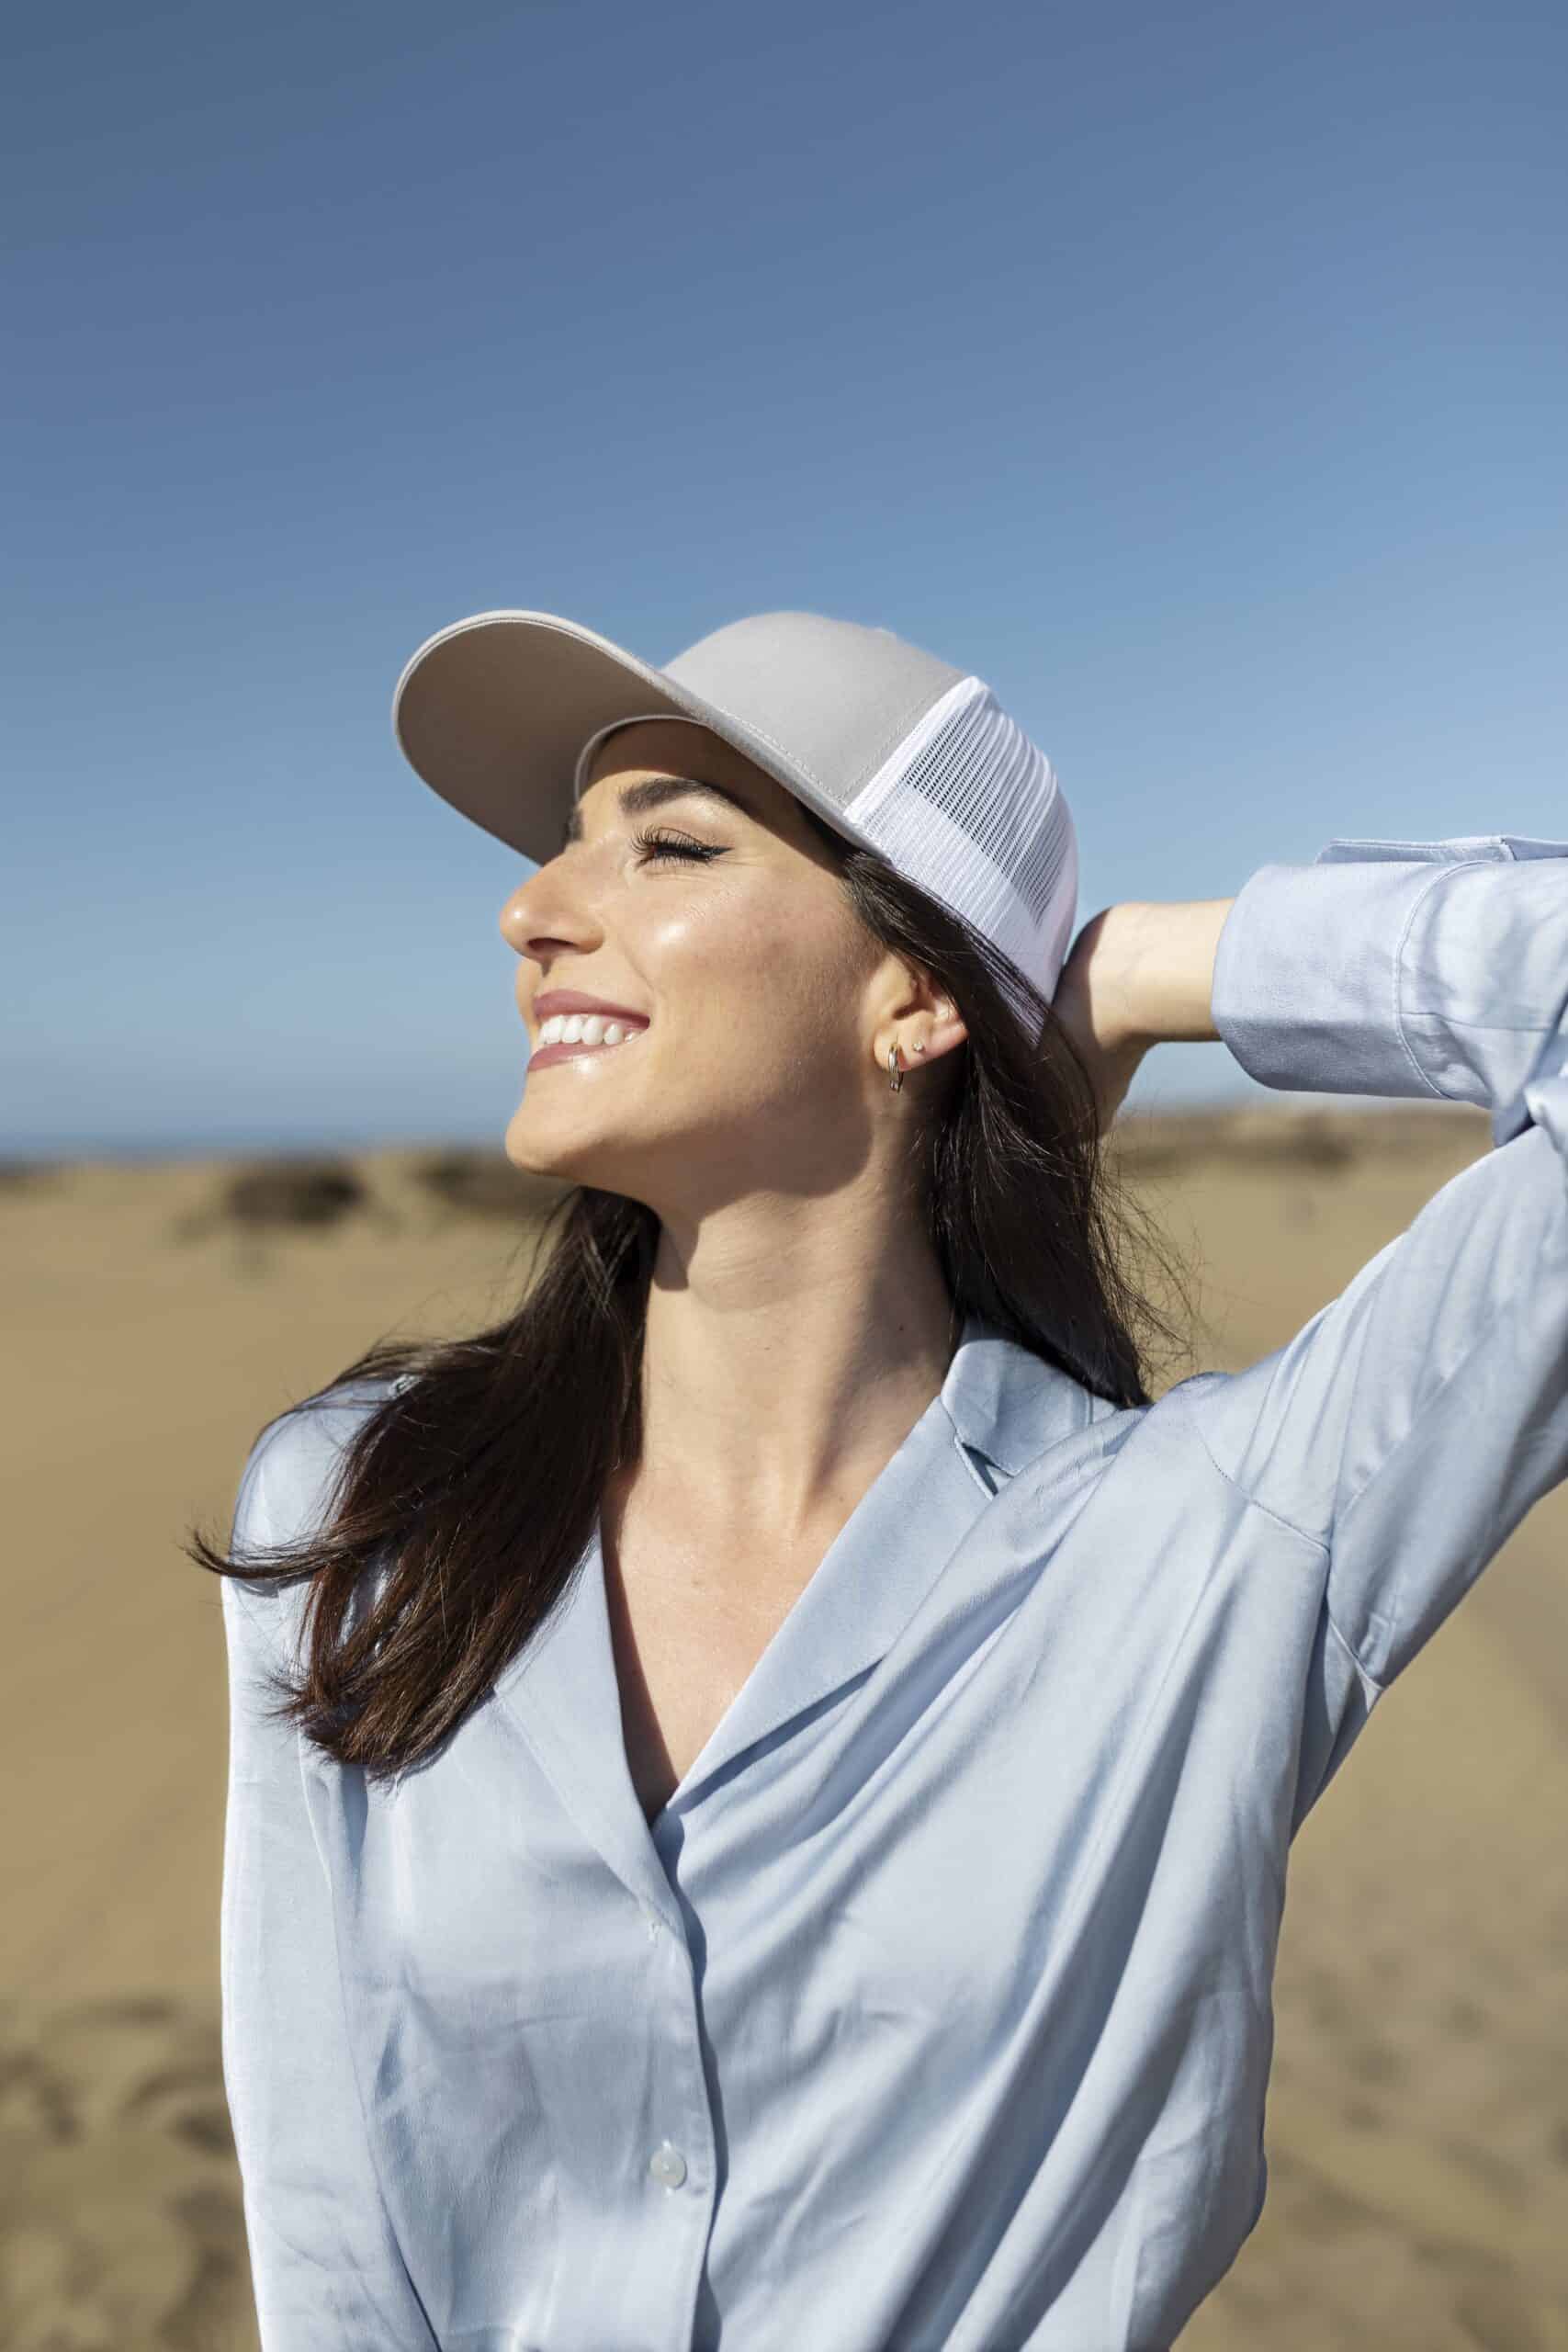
1196	374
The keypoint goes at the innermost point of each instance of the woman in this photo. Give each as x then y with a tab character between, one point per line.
774	1829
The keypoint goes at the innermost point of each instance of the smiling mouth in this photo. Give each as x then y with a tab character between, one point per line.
602	1037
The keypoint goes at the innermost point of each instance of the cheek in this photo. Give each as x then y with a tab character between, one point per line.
757	982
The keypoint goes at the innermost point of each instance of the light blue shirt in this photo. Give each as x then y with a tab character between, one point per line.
932	2014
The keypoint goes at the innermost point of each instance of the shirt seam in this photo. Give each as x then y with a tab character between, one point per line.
1316	1541
1374	1685
1439	875
1504	1028
1251	1499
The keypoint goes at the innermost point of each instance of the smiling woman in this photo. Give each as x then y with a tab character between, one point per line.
761	1784
751	1159
843	1151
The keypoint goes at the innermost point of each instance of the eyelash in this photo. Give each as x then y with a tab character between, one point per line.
657	843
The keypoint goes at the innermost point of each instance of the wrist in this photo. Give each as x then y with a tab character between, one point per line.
1164	958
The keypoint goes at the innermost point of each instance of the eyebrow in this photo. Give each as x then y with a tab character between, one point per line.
636	799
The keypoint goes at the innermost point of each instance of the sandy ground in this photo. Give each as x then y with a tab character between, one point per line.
1417	2122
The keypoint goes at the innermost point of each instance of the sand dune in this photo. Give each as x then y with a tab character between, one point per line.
1418	2117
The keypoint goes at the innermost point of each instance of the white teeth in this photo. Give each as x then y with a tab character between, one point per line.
583	1029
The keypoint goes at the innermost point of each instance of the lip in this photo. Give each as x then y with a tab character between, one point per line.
563	1051
553	1000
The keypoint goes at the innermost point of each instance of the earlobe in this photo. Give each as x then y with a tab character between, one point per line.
895	1066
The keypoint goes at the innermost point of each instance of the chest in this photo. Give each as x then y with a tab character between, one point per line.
690	1620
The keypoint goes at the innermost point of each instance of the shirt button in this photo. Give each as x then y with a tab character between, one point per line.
654	1924
667	2164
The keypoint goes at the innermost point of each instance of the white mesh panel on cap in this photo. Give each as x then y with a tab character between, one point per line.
968	807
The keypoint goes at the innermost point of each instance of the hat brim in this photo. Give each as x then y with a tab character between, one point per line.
493	711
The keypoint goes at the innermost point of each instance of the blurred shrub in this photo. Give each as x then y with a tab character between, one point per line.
292	1192
28	1175
485	1184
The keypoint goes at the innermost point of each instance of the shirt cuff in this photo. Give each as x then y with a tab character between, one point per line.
1311	962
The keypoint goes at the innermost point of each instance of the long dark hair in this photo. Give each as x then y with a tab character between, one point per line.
477	1480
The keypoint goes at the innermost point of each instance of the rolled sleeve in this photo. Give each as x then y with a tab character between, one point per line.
1403	968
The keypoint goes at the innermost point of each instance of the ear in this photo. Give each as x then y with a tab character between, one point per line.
919	1018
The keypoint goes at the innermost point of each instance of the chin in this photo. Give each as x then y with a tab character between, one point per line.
528	1151
530	1148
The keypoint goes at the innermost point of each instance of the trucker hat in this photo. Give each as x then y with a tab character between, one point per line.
895	749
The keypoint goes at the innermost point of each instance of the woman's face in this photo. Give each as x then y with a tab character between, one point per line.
717	918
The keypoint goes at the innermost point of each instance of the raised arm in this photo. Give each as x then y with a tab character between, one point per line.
1139	974
1409	1426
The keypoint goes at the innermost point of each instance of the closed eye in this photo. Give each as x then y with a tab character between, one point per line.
659	842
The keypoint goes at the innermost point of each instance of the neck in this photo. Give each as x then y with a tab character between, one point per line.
779	1378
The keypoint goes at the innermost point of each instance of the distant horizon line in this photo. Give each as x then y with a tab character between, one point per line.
269	1143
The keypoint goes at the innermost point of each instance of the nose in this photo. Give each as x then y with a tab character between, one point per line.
514	925
525	915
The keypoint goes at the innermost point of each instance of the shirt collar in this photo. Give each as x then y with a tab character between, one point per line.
1007	1403
1001	1403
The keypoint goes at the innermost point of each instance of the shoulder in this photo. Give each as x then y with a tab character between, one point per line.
285	1483
286	1491
1254	1427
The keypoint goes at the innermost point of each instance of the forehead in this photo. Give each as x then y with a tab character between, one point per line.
677	747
